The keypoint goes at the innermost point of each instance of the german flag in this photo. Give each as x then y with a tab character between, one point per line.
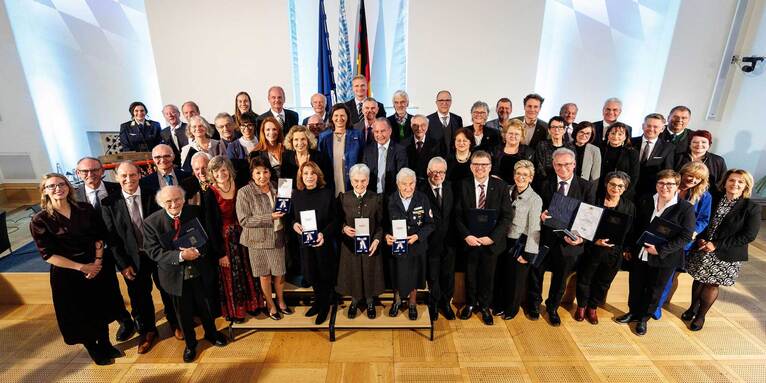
362	48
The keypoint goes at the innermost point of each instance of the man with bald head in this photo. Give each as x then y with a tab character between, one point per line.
384	157
442	124
196	186
316	125
287	118
166	173
319	105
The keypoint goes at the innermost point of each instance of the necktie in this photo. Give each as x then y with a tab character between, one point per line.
444	121
438	196
368	138
645	152
135	217
359	108
94	199
562	188
176	227
168	180
482	197
381	168
419	146
281	119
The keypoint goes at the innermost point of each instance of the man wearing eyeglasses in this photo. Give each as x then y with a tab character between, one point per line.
166	175
316	125
93	190
319	105
654	154
421	147
482	195
442	124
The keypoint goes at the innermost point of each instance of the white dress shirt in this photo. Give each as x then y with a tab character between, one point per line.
643	255
566	187
92	194
476	184
644	142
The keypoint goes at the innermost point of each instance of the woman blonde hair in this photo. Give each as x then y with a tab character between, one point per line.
696	169
749	181
513	124
45	200
203	121
215	164
300	129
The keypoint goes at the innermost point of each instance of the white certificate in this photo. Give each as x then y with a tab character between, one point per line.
586	221
285	188
399	227
309	220
362	226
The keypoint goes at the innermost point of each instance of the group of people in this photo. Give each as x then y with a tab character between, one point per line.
400	202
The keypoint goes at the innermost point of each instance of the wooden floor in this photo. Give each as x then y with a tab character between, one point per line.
731	347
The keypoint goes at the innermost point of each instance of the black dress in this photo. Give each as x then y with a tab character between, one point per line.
504	163
409	270
84	307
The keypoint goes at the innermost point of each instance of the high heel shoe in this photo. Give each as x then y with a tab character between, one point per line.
276	315
697	324
688	315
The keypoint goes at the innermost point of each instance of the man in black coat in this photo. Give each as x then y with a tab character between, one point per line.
354	105
123	213
677	131
369	112
166	173
654	154
441	248
287	118
563	251
536	129
482	194
174	134
610	113
319	105
421	147
383	169
183	272
442	124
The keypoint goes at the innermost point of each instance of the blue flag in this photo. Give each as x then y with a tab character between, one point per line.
325	75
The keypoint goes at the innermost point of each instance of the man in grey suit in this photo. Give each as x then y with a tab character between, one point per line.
385	158
503	108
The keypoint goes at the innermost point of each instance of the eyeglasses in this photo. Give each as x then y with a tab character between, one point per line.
86	171
251	126
565	164
316	125
480	165
616	186
437	172
163	157
478	112
666	184
444	100
60	185
556	127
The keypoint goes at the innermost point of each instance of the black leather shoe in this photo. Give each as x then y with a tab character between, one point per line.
97	355
218	339
371	310
126	330
286	311
688	315
110	351
314	310
626	318
190	354
553	316
433	313
498	312
533	313
395	307
352	310
508	315
486	317
412	312
697	324
467	311
449	314
641	327
322	315
275	315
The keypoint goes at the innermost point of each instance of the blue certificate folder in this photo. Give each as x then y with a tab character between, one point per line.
282	204
562	211
659	232
481	222
191	235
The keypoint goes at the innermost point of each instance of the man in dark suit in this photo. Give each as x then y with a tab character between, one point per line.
175	133
196	186
536	130
568	112
287	118
677	131
354	105
654	154
319	105
370	111
385	158
564	251
611	112
166	173
401	120
421	147
442	124
123	213
482	193
93	190
441	249
503	108
183	272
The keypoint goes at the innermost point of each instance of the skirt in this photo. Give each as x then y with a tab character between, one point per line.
707	268
268	261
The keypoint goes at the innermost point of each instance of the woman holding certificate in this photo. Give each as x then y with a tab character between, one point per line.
263	234
721	248
314	209
360	274
602	259
411	223
664	224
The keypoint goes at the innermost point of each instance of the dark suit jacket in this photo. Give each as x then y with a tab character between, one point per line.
682	144
150	183
396	159
736	230
660	158
160	249
183	140
361	127
627	161
137	139
400	133
598	127
305	121
355	117
443	216
111	187
419	221
497	198
670	254
291	119
489	141
418	161
541	131
437	130
121	237
289	166
579	189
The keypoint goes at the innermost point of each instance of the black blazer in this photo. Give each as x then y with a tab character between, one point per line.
660	158
627	161
419	220
598	128
419	161
406	130
121	237
736	230
167	139
362	128
305	121
437	130
160	250
291	119
289	166
443	214
497	198
579	189
355	117
541	131
142	139
396	159
682	145
671	254
489	141
150	183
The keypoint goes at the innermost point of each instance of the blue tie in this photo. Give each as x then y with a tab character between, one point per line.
169	180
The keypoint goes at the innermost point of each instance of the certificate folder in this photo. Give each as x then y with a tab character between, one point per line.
659	232
562	211
191	234
481	222
613	226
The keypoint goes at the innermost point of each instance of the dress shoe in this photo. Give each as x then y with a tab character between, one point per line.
395	307
697	324
553	316
498	312
510	314
371	310
126	330
322	315
449	314
97	355
276	315
467	311
641	327
146	341
579	314
626	318
688	315
486	317
533	313
178	334
433	313
255	313
217	339
314	310
591	314
352	310
412	312
190	354
110	351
